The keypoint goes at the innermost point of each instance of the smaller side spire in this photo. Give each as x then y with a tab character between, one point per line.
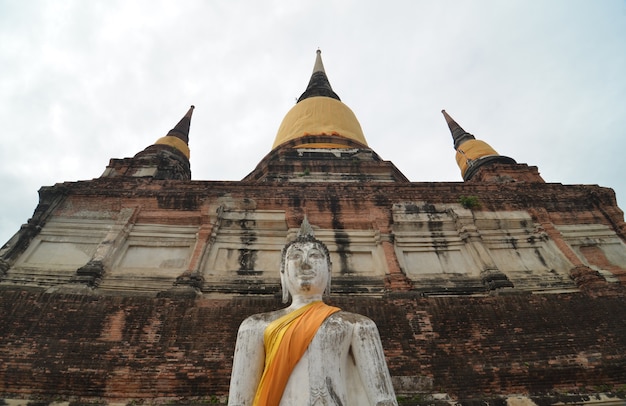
476	158
167	158
178	137
181	130
459	135
319	84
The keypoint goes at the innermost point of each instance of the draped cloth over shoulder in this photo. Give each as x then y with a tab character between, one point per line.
286	340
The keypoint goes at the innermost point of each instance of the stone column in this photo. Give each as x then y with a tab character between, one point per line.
93	271
395	280
583	276
189	283
490	275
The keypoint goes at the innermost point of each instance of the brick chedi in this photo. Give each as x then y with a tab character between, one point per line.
167	158
129	288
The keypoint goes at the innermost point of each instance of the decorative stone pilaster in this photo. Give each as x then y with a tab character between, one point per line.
491	277
89	274
581	274
189	283
93	271
395	280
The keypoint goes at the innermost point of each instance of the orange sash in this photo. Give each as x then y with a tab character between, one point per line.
286	340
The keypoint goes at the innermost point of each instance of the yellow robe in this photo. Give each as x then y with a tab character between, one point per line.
286	339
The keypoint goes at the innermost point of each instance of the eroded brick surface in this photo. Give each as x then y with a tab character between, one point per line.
141	347
133	345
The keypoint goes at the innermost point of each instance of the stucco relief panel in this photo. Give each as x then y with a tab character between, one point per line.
522	251
65	243
155	250
245	242
248	243
354	252
428	241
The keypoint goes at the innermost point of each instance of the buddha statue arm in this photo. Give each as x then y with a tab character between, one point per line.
371	364
248	362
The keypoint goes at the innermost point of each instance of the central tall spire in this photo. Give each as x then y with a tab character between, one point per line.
320	112
319	84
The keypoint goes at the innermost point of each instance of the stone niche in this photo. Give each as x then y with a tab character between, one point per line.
62	246
151	257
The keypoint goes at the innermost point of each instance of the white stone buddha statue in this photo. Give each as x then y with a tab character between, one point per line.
309	353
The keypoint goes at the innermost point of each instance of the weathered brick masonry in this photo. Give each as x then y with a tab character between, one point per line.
492	343
142	347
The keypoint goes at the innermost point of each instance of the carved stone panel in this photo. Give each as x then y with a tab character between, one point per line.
245	254
244	249
358	260
62	246
428	243
523	252
152	257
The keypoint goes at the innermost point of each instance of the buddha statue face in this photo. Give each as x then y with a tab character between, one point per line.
306	269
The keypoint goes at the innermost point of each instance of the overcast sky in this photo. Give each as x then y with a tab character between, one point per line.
543	82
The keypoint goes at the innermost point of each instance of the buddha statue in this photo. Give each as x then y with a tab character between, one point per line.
308	353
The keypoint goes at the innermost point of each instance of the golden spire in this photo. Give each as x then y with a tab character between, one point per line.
470	152
178	137
459	135
181	130
318	84
319	111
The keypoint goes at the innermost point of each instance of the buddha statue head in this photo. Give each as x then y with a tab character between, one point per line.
305	266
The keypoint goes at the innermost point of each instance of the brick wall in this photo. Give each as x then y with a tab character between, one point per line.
62	345
142	347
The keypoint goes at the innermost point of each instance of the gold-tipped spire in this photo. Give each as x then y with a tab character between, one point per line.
318	84
319	111
181	130
470	152
178	137
459	135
